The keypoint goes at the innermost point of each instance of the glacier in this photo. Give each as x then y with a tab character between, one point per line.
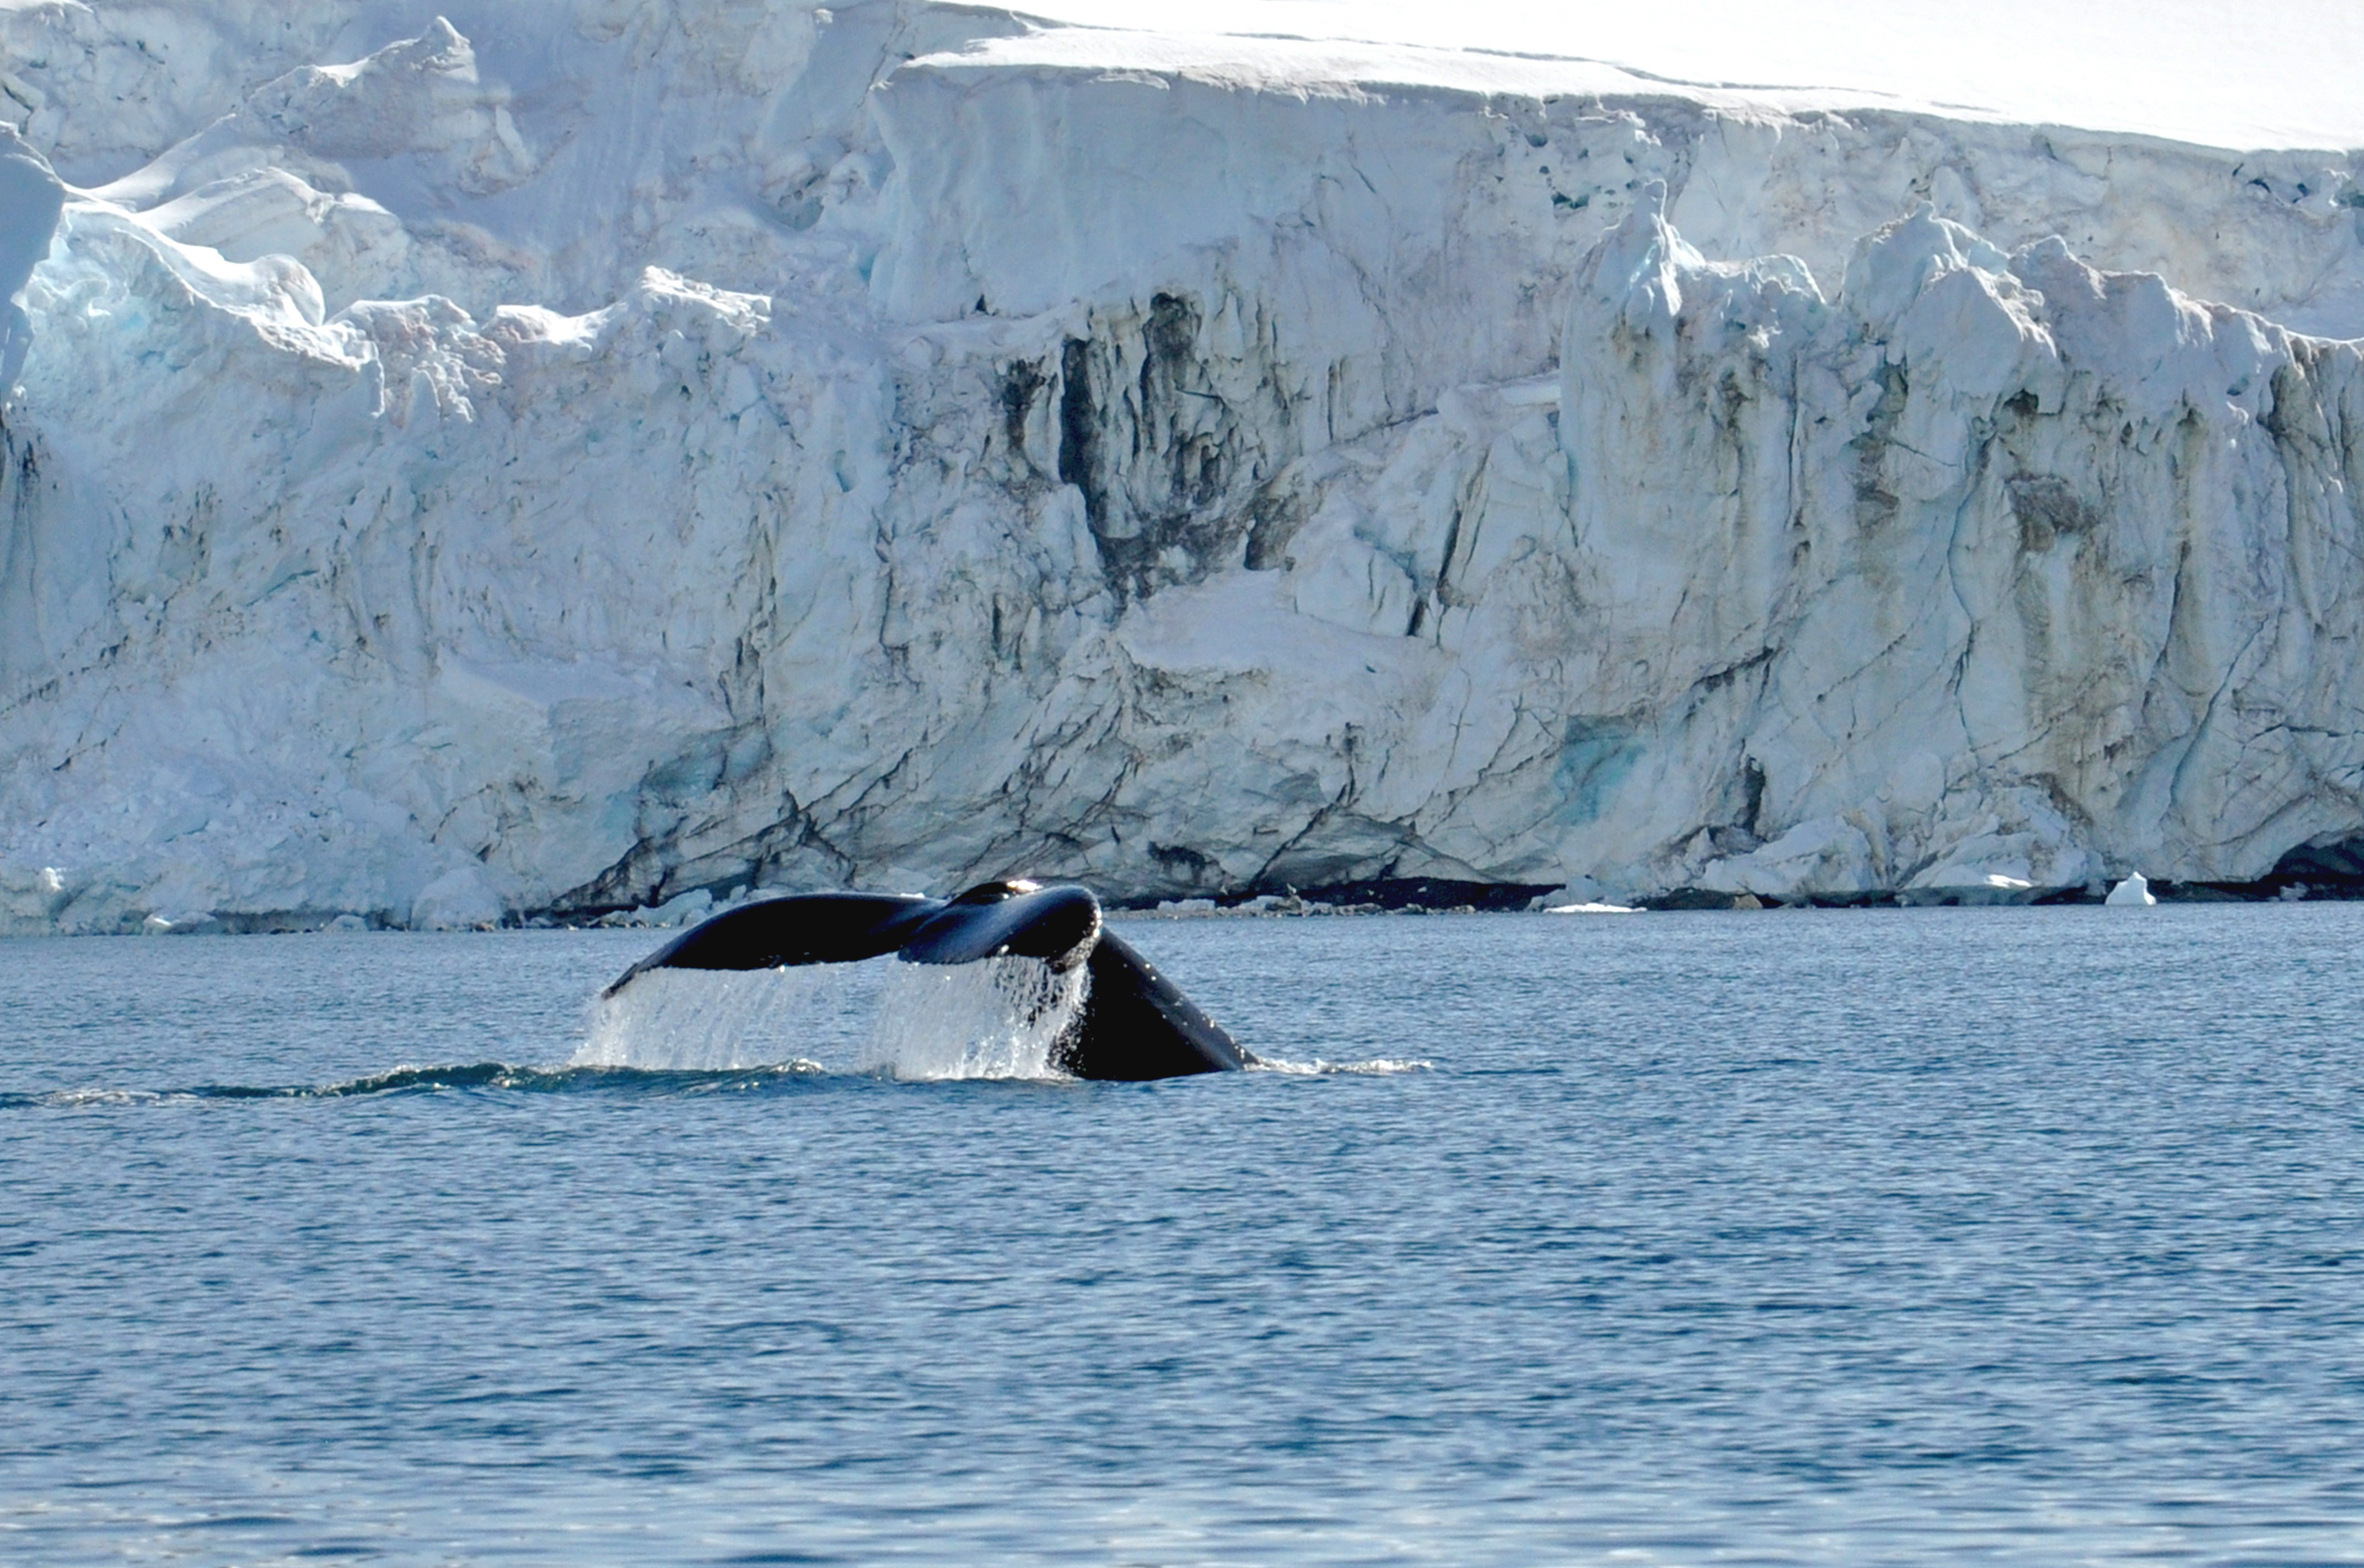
557	459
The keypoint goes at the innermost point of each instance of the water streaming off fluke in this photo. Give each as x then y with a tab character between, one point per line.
997	1018
1002	1017
707	1020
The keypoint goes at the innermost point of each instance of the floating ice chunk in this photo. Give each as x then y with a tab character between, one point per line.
1967	885
166	924
1581	895
2132	894
459	900
685	909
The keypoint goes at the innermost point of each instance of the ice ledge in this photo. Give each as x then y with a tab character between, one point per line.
1356	71
31	200
2190	70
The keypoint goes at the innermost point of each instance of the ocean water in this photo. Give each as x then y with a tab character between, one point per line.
1941	1236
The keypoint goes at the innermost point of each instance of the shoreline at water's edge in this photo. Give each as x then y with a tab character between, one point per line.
1423	895
1405	895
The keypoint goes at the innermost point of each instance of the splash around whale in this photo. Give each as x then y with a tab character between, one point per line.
1128	1022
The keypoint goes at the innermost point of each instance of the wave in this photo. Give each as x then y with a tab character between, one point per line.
1016	1057
930	1060
1377	1067
497	1076
696	1032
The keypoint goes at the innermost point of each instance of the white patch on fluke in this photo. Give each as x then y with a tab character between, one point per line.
1000	1017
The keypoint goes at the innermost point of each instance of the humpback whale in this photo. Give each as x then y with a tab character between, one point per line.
1134	1024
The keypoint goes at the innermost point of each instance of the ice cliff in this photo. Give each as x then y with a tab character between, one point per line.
562	456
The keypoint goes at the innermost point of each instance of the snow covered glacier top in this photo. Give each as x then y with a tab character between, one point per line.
600	453
2207	71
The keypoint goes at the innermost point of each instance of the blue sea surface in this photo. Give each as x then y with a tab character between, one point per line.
1949	1236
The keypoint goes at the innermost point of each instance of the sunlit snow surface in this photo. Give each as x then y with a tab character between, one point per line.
2205	70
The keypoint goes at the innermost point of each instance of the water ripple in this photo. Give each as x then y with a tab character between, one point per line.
495	1075
1915	1238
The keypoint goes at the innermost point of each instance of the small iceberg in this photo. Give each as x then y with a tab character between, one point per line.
2132	894
1590	909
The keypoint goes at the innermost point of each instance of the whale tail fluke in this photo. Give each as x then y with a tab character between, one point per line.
1135	1025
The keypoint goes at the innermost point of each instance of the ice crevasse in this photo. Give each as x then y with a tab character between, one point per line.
562	458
